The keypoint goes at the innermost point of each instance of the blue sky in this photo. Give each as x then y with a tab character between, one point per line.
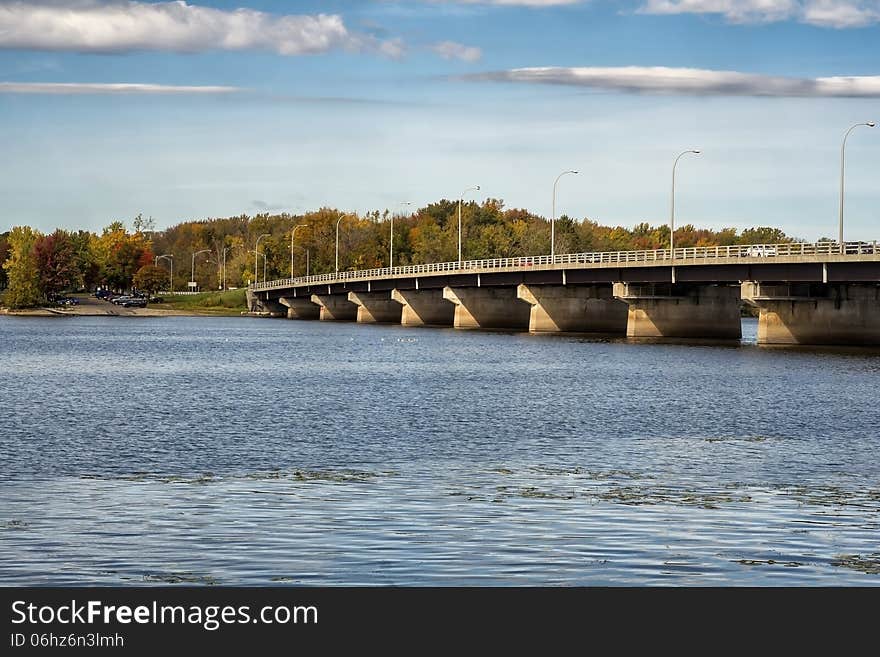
238	107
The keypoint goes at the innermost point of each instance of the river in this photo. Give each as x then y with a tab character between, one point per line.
247	451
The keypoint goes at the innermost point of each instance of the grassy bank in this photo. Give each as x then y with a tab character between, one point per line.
230	302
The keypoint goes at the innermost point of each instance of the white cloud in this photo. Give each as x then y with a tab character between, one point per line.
833	13
690	81
123	26
823	13
100	88
517	3
453	50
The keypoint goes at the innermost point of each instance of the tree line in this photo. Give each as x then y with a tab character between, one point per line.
36	266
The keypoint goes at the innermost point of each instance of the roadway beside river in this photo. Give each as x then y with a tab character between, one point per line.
210	304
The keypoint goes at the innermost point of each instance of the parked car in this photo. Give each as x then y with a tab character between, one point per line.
135	302
62	300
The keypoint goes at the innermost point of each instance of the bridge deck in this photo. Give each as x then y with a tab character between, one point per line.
820	253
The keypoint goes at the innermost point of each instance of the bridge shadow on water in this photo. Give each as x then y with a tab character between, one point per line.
748	341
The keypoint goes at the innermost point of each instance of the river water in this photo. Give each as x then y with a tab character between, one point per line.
248	451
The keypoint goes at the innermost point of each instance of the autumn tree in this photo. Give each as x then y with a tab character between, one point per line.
151	279
121	255
57	262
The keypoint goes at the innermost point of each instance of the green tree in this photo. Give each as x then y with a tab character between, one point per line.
763	235
151	279
23	284
4	253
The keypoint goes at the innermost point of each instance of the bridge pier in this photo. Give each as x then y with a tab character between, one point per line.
335	308
375	307
665	310
581	308
272	307
817	313
300	308
424	308
487	307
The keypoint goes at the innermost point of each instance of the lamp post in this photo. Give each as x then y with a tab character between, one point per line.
306	251
553	219
672	209
257	257
225	249
223	267
192	276
391	242
869	124
460	198
171	277
292	235
337	243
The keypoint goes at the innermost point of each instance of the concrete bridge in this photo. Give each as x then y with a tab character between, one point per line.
805	293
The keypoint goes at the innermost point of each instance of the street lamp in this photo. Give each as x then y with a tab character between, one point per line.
192	277
870	124
460	198
257	257
171	278
223	265
391	243
672	210
337	243
553	219
292	235
307	258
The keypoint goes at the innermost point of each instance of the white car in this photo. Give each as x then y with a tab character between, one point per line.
760	251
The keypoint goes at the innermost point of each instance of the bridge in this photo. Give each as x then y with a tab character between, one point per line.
820	293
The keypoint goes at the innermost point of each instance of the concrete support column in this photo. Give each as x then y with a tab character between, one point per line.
682	311
335	307
373	307
259	304
818	314
487	307
252	301
300	308
578	308
424	308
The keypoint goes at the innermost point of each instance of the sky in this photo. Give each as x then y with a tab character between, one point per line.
189	110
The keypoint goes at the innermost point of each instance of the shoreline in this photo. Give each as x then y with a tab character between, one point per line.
139	312
91	307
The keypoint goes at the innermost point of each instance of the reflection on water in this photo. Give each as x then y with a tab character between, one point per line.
235	451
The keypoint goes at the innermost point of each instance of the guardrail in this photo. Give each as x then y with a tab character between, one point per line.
688	254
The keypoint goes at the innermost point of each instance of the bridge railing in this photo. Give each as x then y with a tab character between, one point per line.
686	254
